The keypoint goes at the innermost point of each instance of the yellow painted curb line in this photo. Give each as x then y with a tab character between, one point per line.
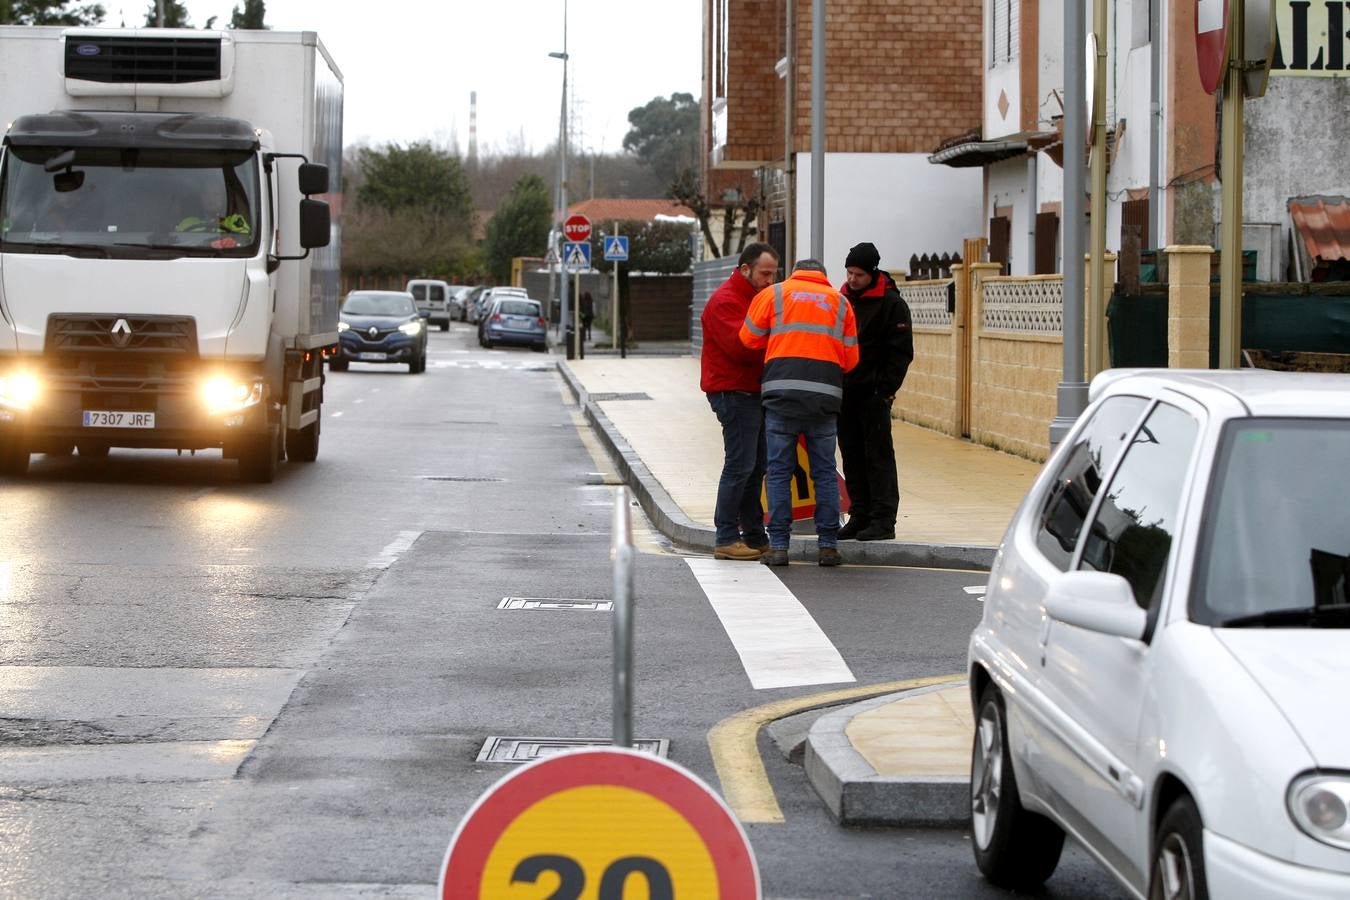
734	743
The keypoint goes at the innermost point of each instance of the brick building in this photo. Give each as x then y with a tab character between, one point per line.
901	75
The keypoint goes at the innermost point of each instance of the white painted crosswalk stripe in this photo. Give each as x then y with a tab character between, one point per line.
779	643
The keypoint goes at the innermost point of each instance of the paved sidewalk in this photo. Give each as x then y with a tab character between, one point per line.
899	759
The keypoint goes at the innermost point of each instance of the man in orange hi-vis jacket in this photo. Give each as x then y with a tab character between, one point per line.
810	339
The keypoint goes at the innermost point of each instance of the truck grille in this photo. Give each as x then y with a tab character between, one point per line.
160	335
143	60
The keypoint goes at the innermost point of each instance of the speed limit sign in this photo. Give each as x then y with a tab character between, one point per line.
595	823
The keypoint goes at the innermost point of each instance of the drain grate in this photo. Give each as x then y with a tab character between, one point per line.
527	749
555	603
600	398
483	478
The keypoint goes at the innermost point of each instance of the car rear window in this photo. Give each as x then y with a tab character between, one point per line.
519	308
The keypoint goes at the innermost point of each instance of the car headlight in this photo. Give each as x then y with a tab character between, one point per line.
1319	804
343	326
19	390
411	327
225	395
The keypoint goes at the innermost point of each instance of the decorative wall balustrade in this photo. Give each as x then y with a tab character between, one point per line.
928	302
1031	305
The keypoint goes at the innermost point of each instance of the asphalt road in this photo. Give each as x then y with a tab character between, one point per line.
209	687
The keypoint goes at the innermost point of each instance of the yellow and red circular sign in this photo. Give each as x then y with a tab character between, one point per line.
605	824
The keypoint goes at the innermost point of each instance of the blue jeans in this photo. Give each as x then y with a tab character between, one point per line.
780	437
738	515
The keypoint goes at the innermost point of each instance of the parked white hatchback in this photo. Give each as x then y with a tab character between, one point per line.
1162	666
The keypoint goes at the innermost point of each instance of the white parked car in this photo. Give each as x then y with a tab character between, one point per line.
1162	664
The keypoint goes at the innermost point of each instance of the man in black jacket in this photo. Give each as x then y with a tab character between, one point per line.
886	348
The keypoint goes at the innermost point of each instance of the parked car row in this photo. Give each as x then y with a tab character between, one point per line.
513	319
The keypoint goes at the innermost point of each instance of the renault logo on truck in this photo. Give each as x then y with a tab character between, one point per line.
121	333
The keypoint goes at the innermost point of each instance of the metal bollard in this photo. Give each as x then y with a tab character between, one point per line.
621	555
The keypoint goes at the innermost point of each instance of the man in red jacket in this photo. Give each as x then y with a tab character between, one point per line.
730	378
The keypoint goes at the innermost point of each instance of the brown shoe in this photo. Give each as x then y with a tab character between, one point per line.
738	550
829	556
773	557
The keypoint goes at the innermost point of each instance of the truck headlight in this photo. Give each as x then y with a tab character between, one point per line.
411	328
343	326
1319	804
19	390
225	395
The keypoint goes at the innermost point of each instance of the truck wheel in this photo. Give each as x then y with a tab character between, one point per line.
93	451
1014	848
13	458
258	462
302	444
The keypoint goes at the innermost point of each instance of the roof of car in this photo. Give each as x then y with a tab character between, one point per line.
380	294
1262	391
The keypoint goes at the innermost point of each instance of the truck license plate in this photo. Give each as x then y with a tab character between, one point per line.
98	418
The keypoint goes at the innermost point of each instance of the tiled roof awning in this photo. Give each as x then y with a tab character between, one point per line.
977	153
1323	224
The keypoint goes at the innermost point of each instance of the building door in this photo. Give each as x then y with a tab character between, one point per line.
1000	242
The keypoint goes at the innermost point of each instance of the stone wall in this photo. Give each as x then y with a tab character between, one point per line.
1013	391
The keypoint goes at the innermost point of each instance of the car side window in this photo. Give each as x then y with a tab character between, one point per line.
1133	531
1080	476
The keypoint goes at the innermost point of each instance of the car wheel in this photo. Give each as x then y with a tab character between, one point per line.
1178	870
1014	848
445	326
337	364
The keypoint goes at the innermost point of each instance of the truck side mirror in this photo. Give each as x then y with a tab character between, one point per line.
313	179
315	223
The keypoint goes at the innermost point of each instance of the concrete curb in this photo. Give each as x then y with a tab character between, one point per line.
671	521
856	794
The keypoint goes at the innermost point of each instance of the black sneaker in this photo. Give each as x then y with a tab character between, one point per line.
850	530
877	533
773	557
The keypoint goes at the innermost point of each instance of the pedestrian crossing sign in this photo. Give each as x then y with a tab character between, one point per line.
577	256
616	247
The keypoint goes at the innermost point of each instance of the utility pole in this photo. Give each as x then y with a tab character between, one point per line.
817	131
1230	251
565	308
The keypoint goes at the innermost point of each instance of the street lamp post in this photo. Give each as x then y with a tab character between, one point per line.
569	333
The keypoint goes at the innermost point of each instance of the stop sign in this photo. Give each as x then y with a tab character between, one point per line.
577	228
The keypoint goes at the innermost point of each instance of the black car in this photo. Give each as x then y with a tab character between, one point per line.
381	327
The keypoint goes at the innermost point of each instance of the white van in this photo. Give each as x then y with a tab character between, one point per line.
433	300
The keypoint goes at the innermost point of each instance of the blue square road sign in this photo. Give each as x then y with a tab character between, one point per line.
577	256
616	247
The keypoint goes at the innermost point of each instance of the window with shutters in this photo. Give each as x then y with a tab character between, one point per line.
1003	37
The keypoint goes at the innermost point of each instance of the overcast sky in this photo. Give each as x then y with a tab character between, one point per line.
409	65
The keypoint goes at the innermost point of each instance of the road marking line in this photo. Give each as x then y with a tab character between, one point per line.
734	743
975	589
394	549
335	415
779	643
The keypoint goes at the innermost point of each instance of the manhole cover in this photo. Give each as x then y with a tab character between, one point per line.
527	749
555	603
600	398
459	478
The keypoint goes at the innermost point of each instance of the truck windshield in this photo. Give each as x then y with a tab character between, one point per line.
128	202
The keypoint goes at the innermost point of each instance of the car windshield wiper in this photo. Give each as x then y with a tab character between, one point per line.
1336	615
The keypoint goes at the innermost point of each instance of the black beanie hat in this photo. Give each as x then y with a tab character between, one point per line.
863	256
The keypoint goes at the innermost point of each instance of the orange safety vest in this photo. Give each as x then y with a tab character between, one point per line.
810	339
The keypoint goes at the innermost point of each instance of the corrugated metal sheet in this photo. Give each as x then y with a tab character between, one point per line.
1324	225
708	276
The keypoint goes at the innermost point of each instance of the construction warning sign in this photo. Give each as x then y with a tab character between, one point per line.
608	823
804	489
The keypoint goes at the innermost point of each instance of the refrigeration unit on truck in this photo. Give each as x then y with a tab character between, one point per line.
168	258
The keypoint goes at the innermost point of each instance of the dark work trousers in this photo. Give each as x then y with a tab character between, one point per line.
869	459
739	515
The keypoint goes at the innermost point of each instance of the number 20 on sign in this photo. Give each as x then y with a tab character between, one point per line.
607	824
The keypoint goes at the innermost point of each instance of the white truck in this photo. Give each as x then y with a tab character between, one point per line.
167	276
